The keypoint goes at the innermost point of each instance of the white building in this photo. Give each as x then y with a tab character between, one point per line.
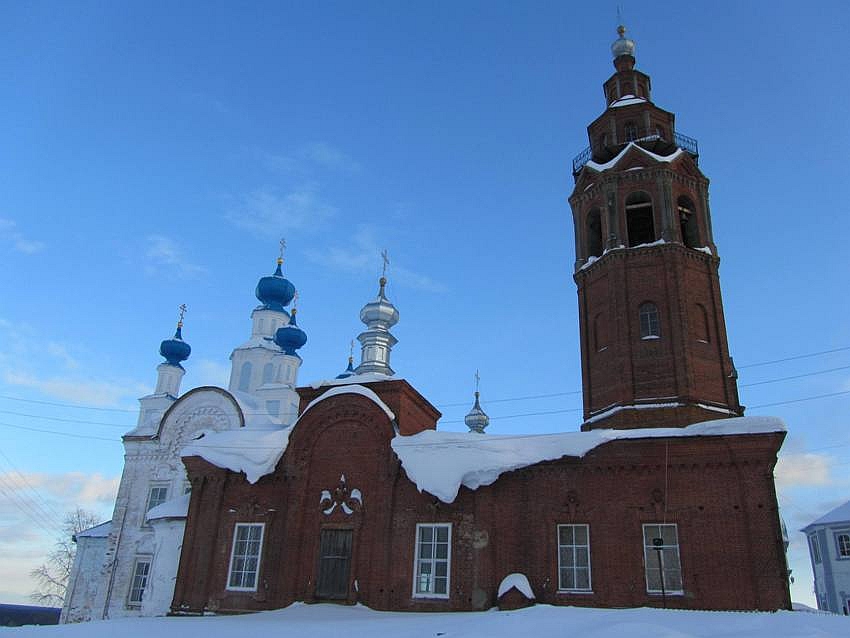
127	566
829	551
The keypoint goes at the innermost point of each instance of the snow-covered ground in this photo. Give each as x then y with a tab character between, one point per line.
541	621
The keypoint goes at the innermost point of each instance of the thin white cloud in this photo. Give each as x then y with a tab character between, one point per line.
362	255
328	156
10	235
209	372
265	211
803	470
83	391
163	255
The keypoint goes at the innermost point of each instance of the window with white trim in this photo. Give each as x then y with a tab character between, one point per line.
661	558
574	558
157	495
245	556
650	325
842	542
141	573
813	543
433	560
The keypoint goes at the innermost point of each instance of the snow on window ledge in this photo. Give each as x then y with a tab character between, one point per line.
650	337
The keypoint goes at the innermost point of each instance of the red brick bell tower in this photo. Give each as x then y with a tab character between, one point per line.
653	337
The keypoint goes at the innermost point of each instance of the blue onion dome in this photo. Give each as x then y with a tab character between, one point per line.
175	349
622	45
275	291
380	312
476	420
290	337
349	371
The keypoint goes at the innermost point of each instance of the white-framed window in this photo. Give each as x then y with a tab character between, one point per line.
245	556
574	558
815	545
432	563
661	558
842	544
141	574
650	325
157	495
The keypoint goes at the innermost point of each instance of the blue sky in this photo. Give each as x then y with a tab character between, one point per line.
153	154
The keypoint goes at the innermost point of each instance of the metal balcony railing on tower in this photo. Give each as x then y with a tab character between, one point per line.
652	140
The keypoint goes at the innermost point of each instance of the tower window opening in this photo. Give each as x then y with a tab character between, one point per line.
594	233
650	324
688	222
268	373
630	131
245	377
639	219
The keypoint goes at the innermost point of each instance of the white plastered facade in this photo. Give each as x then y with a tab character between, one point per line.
104	579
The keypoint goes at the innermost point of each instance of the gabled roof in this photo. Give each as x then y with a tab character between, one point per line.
840	514
98	531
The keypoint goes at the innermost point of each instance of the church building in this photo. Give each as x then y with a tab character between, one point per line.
345	490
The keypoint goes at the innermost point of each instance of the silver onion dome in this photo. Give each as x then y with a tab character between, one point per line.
476	420
380	313
622	45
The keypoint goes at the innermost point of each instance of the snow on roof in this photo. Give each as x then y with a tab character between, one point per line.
98	531
840	514
254	451
613	162
440	462
351	389
626	100
366	377
257	449
254	411
519	581
173	508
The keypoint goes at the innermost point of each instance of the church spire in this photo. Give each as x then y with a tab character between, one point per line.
376	341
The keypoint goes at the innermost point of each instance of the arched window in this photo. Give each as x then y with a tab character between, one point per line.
630	131
688	222
268	373
245	377
594	233
650	324
639	219
699	323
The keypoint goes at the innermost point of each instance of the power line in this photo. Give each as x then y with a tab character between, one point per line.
488	402
67	405
70	434
819	396
794	358
796	376
56	418
42	503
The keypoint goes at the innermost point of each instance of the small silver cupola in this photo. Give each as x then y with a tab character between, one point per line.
622	45
477	419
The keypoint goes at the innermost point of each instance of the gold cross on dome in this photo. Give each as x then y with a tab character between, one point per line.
182	308
282	248
477	380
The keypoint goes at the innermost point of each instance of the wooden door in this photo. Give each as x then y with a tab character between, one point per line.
334	564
